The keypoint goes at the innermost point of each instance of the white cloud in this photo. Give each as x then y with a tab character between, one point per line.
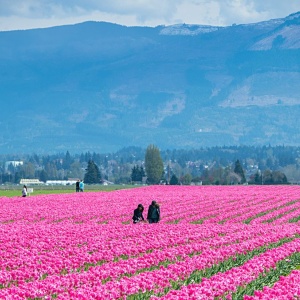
248	11
43	13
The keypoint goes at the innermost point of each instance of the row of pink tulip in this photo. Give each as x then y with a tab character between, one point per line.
213	251
288	217
213	205
91	249
18	266
238	214
263	206
286	288
157	280
227	282
221	207
53	237
276	213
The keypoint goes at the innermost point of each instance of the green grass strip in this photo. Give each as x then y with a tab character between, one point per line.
13	191
294	220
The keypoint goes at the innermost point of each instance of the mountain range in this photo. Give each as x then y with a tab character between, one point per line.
99	86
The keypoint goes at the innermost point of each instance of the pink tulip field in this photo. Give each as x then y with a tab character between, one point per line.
212	242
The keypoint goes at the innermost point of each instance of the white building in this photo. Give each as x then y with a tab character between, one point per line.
30	181
60	182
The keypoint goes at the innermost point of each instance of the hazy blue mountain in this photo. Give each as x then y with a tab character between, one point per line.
98	86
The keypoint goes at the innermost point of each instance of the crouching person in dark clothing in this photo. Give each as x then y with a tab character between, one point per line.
138	214
153	213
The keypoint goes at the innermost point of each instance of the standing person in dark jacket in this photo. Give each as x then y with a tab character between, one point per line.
153	213
138	214
77	186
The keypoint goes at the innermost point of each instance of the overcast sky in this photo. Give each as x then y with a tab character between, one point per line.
24	14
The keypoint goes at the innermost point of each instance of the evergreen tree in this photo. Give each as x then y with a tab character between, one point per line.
257	178
67	161
142	173
137	173
174	180
134	173
153	164
238	169
92	174
87	156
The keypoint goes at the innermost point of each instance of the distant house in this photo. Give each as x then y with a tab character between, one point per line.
106	182
61	182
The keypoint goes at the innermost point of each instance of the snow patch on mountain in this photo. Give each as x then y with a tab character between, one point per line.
286	38
271	24
188	29
172	107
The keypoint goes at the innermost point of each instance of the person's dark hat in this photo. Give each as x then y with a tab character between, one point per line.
153	202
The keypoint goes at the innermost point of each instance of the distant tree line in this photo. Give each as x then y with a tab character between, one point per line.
137	173
216	165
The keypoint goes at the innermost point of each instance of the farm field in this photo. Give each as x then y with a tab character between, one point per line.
12	190
213	242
